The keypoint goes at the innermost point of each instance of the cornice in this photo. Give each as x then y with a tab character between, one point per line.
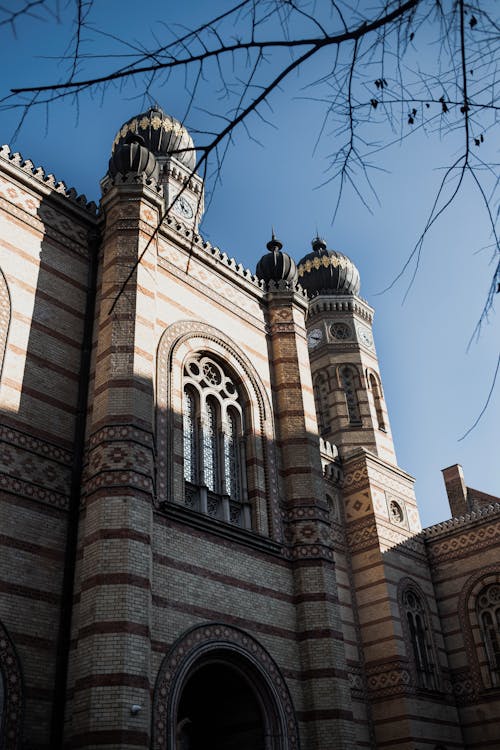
460	522
194	245
45	184
335	303
371	458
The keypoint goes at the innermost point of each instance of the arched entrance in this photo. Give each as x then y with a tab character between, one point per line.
218	689
219	710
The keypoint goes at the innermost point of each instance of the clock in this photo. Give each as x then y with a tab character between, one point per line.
365	336
314	337
183	207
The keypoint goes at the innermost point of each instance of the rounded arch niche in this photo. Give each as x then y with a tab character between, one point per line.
178	342
253	706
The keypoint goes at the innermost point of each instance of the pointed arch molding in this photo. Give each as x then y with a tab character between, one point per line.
409	584
478	673
10	670
5	312
177	342
234	646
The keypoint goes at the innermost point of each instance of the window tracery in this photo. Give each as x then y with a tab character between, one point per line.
348	376
213	440
418	630
488	612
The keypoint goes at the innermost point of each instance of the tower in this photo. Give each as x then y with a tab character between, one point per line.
172	147
378	509
347	385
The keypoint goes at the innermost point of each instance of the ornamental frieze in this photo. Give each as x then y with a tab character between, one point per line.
455	545
392	677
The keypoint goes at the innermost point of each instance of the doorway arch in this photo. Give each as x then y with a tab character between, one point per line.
218	688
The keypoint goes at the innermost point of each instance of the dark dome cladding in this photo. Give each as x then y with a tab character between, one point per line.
275	265
132	157
163	135
327	272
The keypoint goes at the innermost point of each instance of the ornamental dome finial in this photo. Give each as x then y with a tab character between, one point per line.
327	271
275	265
162	134
273	245
133	157
318	244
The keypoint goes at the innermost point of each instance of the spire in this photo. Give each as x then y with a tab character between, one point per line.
274	245
318	243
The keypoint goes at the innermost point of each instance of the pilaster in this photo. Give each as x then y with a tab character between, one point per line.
112	632
326	716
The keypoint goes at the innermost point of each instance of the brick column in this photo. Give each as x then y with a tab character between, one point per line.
111	671
326	716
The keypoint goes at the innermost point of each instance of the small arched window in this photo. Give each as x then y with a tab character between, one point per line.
488	612
377	400
418	631
213	441
320	387
348	381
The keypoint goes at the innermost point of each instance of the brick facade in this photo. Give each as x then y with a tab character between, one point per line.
119	599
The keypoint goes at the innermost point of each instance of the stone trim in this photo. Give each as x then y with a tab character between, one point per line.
444	528
5	315
238	648
39	175
409	584
177	342
470	683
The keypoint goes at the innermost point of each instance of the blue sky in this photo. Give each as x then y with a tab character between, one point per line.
434	385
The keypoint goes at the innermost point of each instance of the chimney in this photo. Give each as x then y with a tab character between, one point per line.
456	490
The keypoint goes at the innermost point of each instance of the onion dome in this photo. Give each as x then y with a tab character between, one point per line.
327	272
132	157
275	265
162	134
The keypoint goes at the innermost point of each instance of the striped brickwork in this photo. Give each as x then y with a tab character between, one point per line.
387	559
112	633
309	600
43	286
463	555
328	715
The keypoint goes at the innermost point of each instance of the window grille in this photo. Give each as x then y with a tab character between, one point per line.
214	450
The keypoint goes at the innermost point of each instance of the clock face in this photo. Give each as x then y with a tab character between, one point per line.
365	336
314	337
183	207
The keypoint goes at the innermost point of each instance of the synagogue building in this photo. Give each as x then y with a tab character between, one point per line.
206	541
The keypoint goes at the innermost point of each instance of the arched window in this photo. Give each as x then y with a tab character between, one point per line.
213	440
488	613
4	317
377	400
320	387
348	378
418	631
